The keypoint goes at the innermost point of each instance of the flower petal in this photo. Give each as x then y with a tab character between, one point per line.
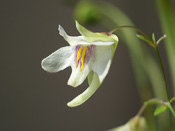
78	76
59	60
80	99
91	36
100	43
101	65
72	40
80	40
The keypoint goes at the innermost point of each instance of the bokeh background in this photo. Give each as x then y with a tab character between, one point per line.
32	99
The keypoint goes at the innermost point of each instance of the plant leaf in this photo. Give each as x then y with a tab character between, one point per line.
153	38
143	38
150	42
160	109
172	99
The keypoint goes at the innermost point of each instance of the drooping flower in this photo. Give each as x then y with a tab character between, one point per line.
89	55
134	124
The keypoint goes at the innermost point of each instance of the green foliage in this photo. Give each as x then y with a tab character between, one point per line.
172	99
171	109
142	38
160	109
149	41
153	38
167	19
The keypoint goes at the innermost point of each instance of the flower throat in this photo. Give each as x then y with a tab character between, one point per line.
83	54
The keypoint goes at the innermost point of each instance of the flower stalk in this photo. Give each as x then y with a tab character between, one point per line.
163	72
152	101
171	109
133	27
154	44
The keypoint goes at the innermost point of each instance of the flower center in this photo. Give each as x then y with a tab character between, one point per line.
83	53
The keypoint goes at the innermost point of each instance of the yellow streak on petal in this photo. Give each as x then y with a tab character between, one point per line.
82	57
78	55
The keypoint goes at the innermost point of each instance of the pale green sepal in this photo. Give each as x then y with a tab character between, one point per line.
90	36
160	109
80	99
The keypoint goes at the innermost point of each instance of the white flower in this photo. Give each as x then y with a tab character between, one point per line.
134	124
88	55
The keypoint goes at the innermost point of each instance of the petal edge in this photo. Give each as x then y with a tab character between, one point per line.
80	99
58	60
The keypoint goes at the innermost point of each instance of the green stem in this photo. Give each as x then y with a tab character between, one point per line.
128	26
167	20
171	109
152	101
141	110
163	72
155	46
145	67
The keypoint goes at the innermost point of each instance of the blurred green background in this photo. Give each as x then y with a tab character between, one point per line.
33	100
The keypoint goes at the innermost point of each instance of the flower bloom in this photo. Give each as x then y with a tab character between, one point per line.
89	55
134	124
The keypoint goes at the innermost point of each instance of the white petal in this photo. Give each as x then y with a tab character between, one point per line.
102	62
78	76
72	40
80	40
98	43
80	99
101	43
59	60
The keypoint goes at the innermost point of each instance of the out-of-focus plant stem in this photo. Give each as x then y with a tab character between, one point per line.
139	55
167	19
145	68
163	72
155	46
